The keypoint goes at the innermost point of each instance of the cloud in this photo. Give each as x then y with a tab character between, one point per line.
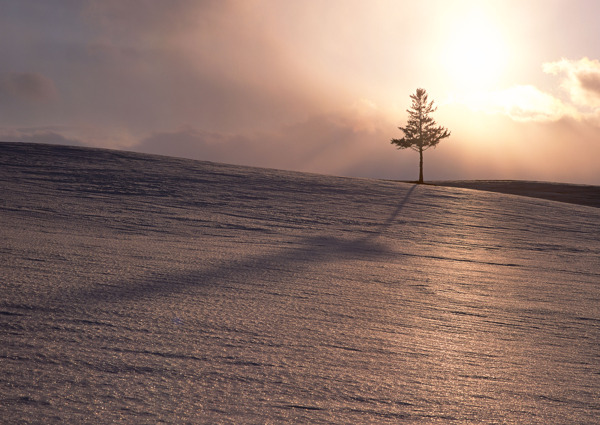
520	103
27	86
580	80
43	135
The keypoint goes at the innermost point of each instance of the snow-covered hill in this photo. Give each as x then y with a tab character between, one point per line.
158	290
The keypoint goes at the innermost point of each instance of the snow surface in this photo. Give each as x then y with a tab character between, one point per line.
146	289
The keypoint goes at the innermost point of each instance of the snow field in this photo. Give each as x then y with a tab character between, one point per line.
161	290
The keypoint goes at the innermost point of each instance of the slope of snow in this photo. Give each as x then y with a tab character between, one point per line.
158	290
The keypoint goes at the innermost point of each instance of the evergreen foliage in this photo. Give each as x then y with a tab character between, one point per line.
421	131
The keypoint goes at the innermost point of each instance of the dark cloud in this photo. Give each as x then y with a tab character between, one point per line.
27	86
590	81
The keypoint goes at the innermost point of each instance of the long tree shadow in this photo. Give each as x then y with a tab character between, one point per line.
306	251
393	217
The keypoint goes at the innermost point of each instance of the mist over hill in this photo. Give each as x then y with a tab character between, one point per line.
149	289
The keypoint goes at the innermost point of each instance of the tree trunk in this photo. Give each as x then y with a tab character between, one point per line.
421	165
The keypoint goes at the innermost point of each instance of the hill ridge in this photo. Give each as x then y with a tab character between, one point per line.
572	193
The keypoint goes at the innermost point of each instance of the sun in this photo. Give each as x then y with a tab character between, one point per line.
474	53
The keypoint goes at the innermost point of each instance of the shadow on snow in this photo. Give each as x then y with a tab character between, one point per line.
307	251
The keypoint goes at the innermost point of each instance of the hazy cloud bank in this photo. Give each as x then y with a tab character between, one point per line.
327	143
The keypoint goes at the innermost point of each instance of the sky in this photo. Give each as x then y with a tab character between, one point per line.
311	85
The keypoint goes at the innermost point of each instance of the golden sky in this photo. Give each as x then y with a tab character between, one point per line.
311	85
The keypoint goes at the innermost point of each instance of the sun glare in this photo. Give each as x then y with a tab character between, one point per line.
474	53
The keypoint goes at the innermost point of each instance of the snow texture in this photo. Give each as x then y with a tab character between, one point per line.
147	289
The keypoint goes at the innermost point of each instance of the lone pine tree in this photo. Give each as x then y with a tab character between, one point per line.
421	131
